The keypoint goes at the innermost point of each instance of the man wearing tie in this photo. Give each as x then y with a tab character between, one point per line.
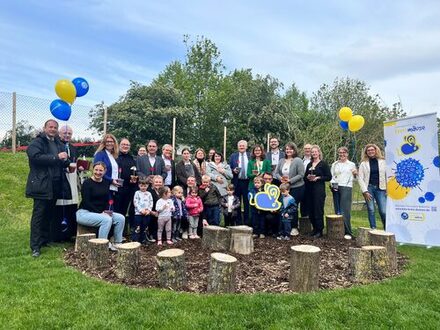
238	163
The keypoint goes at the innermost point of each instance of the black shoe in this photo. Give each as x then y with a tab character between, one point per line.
36	253
317	235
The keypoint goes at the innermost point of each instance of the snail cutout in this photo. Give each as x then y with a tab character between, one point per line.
266	200
410	146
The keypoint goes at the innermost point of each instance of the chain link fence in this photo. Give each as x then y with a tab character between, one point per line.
30	115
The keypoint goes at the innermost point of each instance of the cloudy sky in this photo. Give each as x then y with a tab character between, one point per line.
392	45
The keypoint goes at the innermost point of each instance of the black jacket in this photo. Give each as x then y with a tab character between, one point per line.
42	165
125	163
182	176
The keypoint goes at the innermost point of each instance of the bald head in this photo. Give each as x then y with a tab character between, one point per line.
65	132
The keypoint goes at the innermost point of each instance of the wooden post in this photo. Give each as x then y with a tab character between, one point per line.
335	226
388	240
305	226
304	268
127	260
173	143
216	238
104	118
221	277
98	253
172	269
224	142
241	240
14	123
363	236
82	243
268	144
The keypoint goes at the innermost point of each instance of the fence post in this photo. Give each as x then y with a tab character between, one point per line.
105	118
14	123
173	140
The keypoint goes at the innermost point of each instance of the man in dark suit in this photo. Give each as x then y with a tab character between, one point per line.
170	165
151	164
238	163
274	155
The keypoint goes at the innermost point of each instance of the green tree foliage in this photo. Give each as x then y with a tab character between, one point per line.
25	134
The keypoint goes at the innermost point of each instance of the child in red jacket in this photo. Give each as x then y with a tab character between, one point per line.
194	206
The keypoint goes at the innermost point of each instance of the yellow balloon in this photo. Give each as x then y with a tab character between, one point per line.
345	113
65	90
395	190
356	123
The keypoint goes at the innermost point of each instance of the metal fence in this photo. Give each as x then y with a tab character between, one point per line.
31	113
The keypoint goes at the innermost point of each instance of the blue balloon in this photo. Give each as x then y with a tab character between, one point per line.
81	86
344	125
60	109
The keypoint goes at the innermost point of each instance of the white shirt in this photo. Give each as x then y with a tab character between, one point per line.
165	212
115	170
152	160
342	173
306	161
245	165
275	157
230	202
168	178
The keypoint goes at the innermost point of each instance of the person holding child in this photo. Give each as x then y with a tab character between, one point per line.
179	213
257	215
257	165
288	208
143	205
219	172
211	200
230	204
165	208
194	206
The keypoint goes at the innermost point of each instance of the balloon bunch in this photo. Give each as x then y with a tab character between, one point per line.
350	122
67	92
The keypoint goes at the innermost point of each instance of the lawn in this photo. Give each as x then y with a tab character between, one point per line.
44	293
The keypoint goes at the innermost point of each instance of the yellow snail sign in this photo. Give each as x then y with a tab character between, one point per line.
266	200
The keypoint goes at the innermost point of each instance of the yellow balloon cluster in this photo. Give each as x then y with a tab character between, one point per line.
65	90
353	123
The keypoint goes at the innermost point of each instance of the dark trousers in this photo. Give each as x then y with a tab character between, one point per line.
124	203
316	211
242	191
176	224
258	223
229	219
298	194
138	231
63	226
212	213
285	227
272	222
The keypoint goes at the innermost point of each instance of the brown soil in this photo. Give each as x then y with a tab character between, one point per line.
265	270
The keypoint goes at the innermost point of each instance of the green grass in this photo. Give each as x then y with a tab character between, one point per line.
44	293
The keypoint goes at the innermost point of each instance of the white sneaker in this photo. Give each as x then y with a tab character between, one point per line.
112	247
294	232
347	237
185	235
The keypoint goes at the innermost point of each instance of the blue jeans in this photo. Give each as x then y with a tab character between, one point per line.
212	214
285	227
103	221
381	200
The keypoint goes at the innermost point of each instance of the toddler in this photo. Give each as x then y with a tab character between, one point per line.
194	206
165	208
143	204
230	204
179	213
288	208
257	216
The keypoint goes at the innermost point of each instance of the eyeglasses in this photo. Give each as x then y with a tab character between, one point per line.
125	144
110	141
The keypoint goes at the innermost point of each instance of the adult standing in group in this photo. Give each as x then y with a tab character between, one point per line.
239	163
142	151
290	170
274	155
108	152
200	161
151	164
257	165
127	172
95	210
343	171
372	181
317	173
219	172
210	154
170	165
186	168
304	205
45	183
64	226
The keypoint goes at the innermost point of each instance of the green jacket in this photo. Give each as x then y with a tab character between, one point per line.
265	166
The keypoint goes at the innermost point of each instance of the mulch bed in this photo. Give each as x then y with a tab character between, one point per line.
265	270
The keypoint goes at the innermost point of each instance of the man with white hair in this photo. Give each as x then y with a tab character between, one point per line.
238	163
170	166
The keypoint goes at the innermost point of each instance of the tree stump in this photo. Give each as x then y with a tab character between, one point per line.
172	269
368	263
335	226
387	239
363	236
216	238
97	253
241	240
127	260
304	268
305	226
222	273
81	229
82	243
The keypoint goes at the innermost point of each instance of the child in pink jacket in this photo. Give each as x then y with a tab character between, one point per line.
194	206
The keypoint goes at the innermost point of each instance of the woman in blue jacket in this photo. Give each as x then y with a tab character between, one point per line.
107	153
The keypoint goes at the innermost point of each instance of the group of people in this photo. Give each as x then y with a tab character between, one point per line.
164	201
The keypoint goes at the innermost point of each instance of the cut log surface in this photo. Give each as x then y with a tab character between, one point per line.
127	260
98	256
335	226
388	240
172	269
216	238
304	268
222	271
305	226
241	240
81	243
81	229
363	236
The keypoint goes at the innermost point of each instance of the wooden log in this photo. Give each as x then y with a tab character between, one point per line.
172	269
363	237
97	253
305	226
241	240
82	243
221	277
335	226
81	229
304	268
387	239
216	238
360	264
127	260
380	265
